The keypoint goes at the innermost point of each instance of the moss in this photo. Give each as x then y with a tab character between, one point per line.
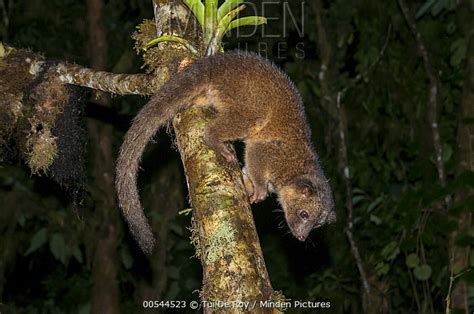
146	31
40	120
42	151
195	239
157	60
221	243
44	100
14	80
68	169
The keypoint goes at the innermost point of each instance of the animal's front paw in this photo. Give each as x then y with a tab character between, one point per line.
228	155
259	194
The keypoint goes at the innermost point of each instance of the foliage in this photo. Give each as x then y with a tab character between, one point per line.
215	22
400	225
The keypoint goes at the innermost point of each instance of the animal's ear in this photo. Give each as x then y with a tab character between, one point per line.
305	187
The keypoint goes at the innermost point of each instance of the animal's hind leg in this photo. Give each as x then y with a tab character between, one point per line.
258	159
227	126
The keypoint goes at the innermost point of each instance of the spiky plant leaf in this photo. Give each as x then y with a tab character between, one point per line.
247	21
197	8
226	7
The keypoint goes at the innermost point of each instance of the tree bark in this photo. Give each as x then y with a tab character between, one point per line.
459	256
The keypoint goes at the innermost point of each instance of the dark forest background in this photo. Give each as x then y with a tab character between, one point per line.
57	257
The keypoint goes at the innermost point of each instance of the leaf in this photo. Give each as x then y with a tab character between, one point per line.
226	20
376	220
447	152
424	8
76	252
356	199
442	277
210	15
412	260
390	251
172	38
58	247
459	50
438	7
422	272
197	7
358	191
38	240
248	21
226	7
382	268
374	204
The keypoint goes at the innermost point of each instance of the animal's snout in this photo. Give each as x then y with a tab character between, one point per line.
301	238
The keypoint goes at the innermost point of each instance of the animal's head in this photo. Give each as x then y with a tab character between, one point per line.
308	204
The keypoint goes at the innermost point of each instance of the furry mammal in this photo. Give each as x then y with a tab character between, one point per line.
256	103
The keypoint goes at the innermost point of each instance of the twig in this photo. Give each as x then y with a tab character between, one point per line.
432	115
415	292
452	278
349	205
432	98
327	102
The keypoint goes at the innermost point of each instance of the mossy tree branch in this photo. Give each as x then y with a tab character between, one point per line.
223	229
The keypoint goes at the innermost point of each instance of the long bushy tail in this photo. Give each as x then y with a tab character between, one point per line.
173	97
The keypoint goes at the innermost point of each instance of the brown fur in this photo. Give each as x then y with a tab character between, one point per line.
256	103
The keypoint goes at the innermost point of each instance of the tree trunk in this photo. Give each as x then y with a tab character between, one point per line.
223	229
224	233
105	292
459	256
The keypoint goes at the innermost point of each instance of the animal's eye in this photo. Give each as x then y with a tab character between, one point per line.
304	215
